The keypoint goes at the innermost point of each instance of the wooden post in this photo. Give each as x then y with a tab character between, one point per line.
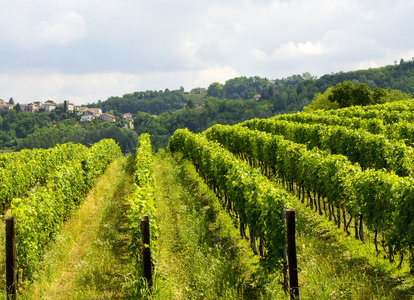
293	265
10	259
146	251
285	265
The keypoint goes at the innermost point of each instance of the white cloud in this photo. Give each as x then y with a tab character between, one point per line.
291	49
63	29
259	54
239	27
40	85
215	74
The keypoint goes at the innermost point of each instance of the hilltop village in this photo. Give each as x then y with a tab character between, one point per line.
87	114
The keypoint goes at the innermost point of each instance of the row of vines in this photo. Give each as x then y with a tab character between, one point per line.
394	124
21	171
383	200
70	172
142	201
371	151
251	198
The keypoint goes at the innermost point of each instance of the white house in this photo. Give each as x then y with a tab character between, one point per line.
127	116
49	106
86	118
96	112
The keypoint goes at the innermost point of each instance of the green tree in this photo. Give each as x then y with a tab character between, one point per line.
65	106
348	94
362	94
321	101
190	104
396	95
343	94
270	92
11	101
53	116
215	90
17	108
379	95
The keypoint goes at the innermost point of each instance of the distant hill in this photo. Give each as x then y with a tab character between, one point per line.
286	95
160	113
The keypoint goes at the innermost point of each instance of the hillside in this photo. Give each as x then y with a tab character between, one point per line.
160	113
286	95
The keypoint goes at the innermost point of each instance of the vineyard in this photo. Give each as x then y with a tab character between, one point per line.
352	165
215	203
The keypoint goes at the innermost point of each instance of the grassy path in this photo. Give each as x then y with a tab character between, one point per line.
89	258
201	255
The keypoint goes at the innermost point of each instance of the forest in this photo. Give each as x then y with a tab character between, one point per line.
160	113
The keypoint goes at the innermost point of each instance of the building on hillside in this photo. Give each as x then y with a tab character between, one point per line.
127	116
108	118
199	105
82	109
31	107
199	90
86	118
1	101
49	106
96	111
70	105
257	97
6	106
130	123
89	113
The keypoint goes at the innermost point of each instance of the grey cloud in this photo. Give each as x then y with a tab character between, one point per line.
189	38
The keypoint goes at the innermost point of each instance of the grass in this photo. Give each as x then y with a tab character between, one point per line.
334	265
201	255
2	258
88	259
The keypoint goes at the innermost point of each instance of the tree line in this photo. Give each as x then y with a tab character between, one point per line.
160	113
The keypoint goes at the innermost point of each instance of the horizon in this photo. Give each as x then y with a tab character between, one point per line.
185	91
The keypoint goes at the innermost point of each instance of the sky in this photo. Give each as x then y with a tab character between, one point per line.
89	50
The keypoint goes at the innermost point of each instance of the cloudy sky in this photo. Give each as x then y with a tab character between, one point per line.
89	50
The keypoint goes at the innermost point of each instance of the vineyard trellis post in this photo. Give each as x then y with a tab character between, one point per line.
293	265
10	259
285	266
146	251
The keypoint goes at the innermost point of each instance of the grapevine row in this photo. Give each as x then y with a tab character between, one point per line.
246	192
401	126
385	200
142	200
369	150
40	213
21	171
390	112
